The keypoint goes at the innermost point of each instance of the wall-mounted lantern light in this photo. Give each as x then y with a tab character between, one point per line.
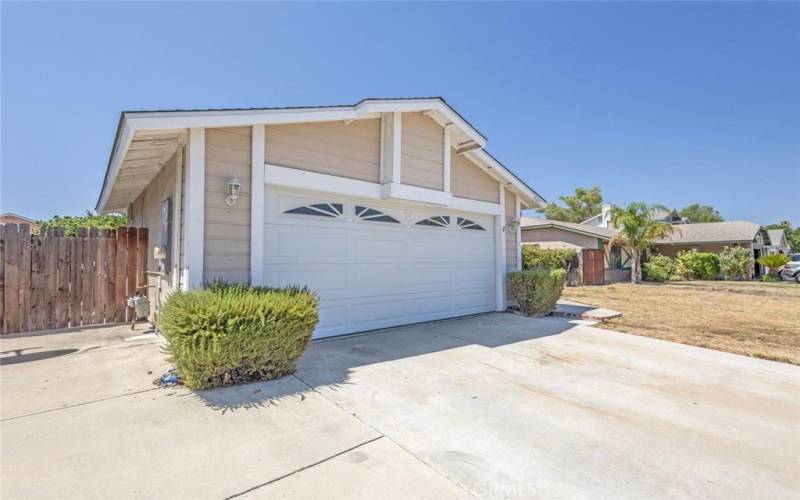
234	188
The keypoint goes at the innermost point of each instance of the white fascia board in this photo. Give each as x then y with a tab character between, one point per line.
117	156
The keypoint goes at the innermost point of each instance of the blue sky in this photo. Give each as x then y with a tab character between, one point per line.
671	103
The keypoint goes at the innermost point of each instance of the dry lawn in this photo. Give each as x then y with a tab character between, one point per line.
750	318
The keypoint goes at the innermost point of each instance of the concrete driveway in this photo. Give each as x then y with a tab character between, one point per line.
495	406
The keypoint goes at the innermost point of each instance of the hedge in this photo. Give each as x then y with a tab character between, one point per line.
536	290
659	268
227	334
697	265
548	258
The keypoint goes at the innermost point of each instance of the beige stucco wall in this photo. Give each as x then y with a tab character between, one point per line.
467	180
226	237
532	235
421	152
145	211
336	148
511	234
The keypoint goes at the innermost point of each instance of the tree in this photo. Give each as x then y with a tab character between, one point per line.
700	213
71	223
637	230
585	203
792	235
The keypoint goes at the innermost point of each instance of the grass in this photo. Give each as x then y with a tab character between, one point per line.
751	318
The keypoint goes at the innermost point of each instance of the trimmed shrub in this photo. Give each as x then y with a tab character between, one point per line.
228	333
659	268
735	262
536	290
697	265
774	262
548	258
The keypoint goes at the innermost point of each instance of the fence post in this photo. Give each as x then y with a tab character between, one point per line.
62	300
24	277
110	308
141	258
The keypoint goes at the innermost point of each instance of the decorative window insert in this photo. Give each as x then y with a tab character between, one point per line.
370	214
319	209
437	221
468	224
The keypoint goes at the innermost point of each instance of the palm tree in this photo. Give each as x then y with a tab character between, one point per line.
637	231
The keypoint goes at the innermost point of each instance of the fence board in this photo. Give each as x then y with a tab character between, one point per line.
120	273
2	276
24	242
87	283
51	278
62	300
11	296
99	276
109	308
75	262
130	283
36	317
141	258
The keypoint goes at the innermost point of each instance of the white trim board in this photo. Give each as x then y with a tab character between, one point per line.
276	175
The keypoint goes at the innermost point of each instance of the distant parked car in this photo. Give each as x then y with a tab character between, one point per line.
792	269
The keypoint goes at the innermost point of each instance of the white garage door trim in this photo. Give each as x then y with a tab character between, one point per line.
379	264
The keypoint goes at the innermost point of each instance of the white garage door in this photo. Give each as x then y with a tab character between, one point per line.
377	264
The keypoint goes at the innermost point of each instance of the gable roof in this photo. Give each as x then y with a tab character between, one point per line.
737	231
777	237
603	233
18	216
163	130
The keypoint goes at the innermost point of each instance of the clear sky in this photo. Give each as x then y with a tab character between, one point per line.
671	103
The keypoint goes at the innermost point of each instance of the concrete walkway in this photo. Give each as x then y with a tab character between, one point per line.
495	406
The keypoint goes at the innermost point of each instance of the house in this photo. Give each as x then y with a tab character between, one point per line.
557	234
714	237
12	218
391	210
777	242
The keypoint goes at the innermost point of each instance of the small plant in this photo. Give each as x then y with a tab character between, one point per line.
774	262
735	262
536	290
226	334
697	265
548	258
659	268
769	278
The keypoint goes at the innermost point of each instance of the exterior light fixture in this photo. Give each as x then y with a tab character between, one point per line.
234	188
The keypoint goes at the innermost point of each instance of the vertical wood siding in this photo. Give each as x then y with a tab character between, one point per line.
421	152
468	180
333	148
226	252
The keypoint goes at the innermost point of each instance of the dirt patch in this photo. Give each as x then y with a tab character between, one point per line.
755	319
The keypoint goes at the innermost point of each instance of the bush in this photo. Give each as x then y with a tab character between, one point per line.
774	262
659	268
735	262
697	265
769	278
548	258
536	290
226	334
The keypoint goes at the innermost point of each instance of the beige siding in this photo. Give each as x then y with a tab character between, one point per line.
468	180
532	235
511	235
226	249
332	148
422	152
145	211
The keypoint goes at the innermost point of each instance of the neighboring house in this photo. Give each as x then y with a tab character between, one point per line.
390	209
714	237
777	242
557	234
12	218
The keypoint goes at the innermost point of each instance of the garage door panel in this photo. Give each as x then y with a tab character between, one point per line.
371	275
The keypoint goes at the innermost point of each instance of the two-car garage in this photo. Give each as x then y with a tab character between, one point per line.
377	264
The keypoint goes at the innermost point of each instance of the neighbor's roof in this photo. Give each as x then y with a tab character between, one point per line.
712	232
162	129
18	216
594	231
558	245
775	236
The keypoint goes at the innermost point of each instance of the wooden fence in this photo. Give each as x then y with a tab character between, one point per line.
54	281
